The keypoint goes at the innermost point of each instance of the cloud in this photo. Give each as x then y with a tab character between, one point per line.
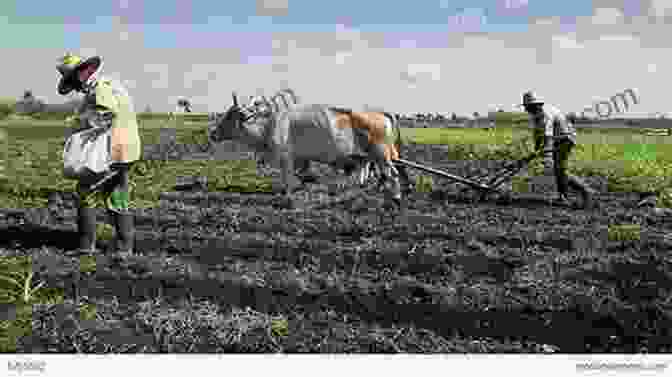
273	8
565	42
582	59
342	57
660	8
129	12
468	20
514	4
511	7
607	16
423	73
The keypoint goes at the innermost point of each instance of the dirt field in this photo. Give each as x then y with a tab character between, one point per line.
227	272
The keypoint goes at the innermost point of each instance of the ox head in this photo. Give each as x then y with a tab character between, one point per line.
260	105
228	125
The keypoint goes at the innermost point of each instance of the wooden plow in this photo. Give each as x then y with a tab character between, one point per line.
466	181
490	185
507	172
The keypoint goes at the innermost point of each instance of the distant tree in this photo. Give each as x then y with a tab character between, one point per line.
28	104
148	109
476	114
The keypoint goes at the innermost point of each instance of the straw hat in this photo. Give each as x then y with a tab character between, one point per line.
70	66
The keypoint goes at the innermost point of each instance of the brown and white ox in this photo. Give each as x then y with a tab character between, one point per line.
302	133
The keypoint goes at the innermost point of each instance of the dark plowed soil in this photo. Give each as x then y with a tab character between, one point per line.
445	273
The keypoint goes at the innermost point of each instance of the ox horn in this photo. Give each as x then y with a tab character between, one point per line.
235	99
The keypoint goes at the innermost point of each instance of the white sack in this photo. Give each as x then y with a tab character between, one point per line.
87	152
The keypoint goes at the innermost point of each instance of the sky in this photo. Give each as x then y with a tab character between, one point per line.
401	56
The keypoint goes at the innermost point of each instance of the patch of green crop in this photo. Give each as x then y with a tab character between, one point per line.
279	327
520	184
17	283
424	183
38	161
19	288
624	232
104	231
630	161
87	264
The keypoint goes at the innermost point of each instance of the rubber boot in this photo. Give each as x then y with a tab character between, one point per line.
125	234
587	193
86	226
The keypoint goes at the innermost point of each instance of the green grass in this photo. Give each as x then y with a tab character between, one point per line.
624	232
32	151
628	159
6	107
18	288
424	183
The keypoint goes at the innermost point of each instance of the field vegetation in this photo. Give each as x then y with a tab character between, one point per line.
223	269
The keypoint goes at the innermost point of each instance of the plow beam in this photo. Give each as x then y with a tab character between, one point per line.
456	178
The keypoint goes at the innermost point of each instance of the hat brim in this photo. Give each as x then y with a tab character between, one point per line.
535	102
68	82
525	105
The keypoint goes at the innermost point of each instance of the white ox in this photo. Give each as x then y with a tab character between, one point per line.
262	106
302	133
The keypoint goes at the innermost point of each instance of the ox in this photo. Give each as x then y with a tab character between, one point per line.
302	133
262	106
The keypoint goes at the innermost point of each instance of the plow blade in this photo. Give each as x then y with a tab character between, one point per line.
456	178
510	171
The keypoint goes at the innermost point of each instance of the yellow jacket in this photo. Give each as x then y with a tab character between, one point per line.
109	97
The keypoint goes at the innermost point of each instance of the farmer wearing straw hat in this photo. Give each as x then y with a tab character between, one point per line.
107	104
556	137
